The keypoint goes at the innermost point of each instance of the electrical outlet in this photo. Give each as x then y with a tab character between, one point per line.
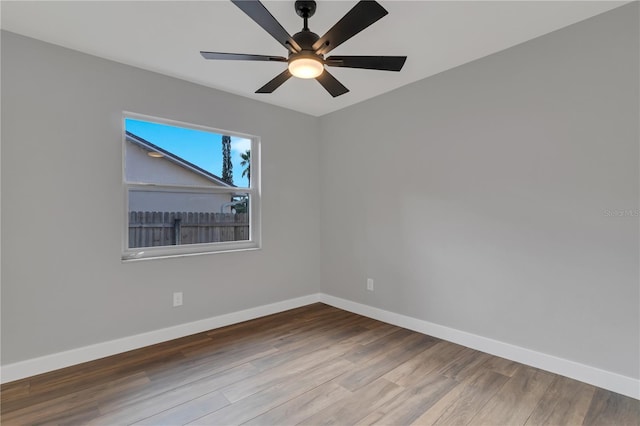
370	284
177	299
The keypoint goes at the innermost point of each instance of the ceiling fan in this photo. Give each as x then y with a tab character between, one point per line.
307	50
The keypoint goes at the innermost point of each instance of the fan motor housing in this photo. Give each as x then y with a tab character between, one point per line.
306	39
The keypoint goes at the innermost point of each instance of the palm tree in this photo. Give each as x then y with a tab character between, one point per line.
227	165
246	163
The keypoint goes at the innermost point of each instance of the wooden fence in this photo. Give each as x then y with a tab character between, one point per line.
151	229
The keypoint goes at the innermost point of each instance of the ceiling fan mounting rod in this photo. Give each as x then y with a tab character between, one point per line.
305	9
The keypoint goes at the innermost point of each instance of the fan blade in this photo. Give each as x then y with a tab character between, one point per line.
357	19
275	83
333	86
242	57
256	11
383	63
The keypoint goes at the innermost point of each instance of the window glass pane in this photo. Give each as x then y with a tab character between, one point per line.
172	155
188	189
169	218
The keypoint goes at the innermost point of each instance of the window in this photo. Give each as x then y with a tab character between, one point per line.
188	189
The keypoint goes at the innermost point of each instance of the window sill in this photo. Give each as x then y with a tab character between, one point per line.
127	258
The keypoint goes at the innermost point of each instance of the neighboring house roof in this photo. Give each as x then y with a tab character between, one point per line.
145	144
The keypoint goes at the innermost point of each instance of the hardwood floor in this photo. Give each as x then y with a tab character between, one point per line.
312	365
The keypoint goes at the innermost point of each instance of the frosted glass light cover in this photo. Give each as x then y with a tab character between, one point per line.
306	68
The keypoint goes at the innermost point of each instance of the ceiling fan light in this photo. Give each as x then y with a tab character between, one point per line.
306	67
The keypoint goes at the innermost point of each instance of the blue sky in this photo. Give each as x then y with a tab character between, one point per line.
204	149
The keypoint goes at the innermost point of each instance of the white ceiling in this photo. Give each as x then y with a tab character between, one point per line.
166	37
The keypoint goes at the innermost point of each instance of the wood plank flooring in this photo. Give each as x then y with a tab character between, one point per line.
313	365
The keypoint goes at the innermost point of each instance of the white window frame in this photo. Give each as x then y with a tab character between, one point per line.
159	252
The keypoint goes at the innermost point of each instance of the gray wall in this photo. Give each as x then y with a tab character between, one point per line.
481	198
63	284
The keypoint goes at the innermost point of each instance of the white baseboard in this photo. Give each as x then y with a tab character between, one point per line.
43	364
584	373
